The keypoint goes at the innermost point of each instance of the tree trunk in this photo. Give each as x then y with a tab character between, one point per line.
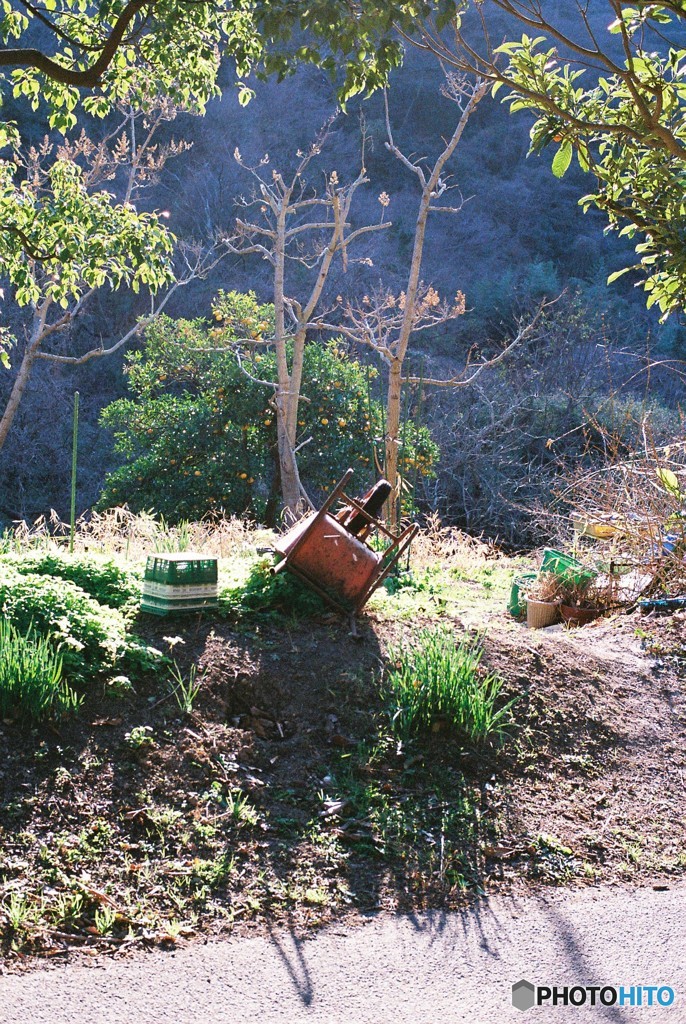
288	467
19	387
285	423
392	441
38	336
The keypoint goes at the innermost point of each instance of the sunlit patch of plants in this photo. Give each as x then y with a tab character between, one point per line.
435	683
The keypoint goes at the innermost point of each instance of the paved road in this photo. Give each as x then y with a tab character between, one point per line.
389	970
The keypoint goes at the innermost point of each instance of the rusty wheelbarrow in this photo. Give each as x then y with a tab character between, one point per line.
331	553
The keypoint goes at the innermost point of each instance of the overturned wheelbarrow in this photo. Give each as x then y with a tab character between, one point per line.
331	553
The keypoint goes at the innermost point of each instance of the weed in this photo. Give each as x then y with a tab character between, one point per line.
434	684
105	918
280	594
316	896
214	872
553	861
67	908
186	690
240	809
205	833
162	819
19	912
140	737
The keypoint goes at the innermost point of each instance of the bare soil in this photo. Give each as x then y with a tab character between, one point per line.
281	797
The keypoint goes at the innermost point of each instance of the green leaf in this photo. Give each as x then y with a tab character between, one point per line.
562	159
245	94
669	481
617	274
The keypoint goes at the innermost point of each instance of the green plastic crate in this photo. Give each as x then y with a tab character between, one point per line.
181	569
566	567
179	583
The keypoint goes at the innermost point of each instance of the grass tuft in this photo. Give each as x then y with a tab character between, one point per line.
31	684
434	684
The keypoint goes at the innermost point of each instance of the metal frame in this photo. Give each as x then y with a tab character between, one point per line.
399	544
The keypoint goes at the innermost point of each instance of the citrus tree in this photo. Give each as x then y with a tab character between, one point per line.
198	433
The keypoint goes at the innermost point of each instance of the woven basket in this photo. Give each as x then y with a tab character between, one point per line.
541	613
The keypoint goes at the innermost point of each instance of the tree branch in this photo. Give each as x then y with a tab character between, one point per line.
89	77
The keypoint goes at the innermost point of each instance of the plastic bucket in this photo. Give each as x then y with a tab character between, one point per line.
516	606
566	567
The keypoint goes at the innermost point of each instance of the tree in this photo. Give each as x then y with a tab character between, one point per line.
387	323
615	97
64	238
130	49
292	224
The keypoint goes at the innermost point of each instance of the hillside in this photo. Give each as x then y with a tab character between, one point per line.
281	792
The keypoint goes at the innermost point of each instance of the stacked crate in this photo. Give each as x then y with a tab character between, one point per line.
179	583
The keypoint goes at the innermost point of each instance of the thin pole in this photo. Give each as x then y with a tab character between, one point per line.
74	446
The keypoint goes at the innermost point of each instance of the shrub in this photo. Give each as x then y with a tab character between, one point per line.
434	682
104	581
540	418
263	591
92	637
31	683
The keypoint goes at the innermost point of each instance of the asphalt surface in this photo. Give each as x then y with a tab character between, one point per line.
386	970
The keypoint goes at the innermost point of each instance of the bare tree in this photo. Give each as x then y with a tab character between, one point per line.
386	322
286	222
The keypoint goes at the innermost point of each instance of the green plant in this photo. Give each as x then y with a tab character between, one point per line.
67	908
552	860
140	737
434	683
186	690
239	808
174	539
31	683
91	637
215	872
103	580
264	591
120	686
105	918
18	911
